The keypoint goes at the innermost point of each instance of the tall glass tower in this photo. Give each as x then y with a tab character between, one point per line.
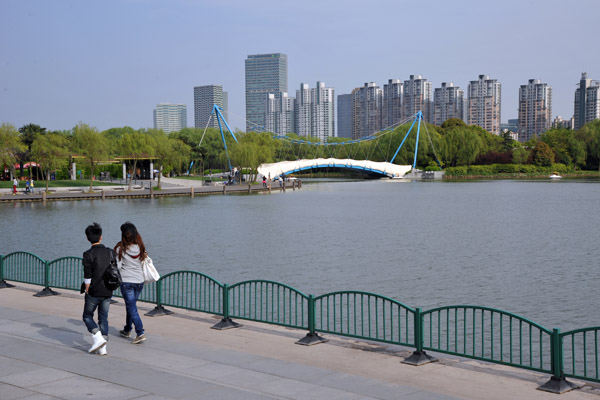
265	73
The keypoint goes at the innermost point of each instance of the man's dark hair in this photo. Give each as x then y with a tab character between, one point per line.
93	232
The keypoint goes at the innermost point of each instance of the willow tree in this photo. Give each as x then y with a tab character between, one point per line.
169	152
10	146
51	152
135	146
89	143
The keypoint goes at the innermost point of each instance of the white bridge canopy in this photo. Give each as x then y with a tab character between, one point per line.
287	167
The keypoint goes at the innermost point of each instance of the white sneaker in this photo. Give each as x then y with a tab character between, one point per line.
99	341
102	350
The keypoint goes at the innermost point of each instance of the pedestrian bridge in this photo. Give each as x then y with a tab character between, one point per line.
380	169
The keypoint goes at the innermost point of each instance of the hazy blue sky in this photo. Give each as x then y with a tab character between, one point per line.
108	63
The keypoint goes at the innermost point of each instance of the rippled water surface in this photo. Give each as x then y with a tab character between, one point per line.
528	247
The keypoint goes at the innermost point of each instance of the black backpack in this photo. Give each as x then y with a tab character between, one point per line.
112	276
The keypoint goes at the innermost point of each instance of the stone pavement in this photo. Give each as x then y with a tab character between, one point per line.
43	355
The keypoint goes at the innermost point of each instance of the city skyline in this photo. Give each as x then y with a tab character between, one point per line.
64	62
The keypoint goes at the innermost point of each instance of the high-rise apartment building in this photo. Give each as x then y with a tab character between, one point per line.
392	103
205	97
265	73
344	116
170	117
535	109
561	123
587	101
315	111
279	117
484	96
366	110
448	102
417	97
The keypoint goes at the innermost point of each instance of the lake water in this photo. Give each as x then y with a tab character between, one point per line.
528	247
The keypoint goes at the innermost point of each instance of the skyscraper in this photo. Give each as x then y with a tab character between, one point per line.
315	111
265	73
535	109
344	116
170	117
587	101
392	103
448	102
279	117
417	97
484	96
205	97
366	107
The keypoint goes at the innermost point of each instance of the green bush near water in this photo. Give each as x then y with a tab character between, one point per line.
506	169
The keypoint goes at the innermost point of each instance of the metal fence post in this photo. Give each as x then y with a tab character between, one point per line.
3	283
46	291
557	383
159	309
311	337
226	322
419	357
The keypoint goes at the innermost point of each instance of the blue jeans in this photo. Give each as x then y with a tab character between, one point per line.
102	304
131	293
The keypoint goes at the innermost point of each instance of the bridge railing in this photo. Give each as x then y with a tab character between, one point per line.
470	331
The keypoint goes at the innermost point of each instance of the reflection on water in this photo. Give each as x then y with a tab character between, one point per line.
528	247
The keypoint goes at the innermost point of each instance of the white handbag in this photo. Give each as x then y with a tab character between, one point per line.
150	273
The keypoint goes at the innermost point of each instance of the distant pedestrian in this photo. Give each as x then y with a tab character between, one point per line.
97	296
264	181
27	185
15	185
130	254
31	185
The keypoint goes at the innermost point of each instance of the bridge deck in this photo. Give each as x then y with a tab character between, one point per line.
372	167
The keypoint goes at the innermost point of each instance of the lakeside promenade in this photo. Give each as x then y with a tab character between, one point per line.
145	189
43	355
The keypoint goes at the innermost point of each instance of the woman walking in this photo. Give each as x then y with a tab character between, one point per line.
130	254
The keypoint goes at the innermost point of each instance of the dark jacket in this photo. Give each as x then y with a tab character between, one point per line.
95	262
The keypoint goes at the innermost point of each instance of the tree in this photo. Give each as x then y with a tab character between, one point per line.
567	149
10	146
542	155
51	152
519	155
169	152
28	134
91	145
589	136
252	150
135	146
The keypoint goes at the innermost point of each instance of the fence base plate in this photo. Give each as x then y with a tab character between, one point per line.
226	323
46	292
558	385
419	358
158	311
4	285
310	339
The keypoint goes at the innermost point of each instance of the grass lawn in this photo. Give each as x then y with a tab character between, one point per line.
65	183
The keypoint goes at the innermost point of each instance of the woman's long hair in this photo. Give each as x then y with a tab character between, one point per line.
129	236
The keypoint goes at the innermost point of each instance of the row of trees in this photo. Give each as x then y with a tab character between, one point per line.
453	144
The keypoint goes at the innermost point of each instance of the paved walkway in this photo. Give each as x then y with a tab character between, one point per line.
43	355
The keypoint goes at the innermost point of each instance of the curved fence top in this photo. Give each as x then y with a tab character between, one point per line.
496	310
580	330
15	253
379	296
191	272
270	283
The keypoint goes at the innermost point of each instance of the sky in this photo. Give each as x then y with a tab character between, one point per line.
109	63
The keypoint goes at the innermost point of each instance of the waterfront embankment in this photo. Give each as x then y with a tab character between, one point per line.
147	189
43	352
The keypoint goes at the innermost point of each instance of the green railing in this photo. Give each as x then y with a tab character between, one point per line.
488	334
475	332
579	353
365	315
269	302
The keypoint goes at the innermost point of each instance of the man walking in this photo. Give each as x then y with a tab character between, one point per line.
95	262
